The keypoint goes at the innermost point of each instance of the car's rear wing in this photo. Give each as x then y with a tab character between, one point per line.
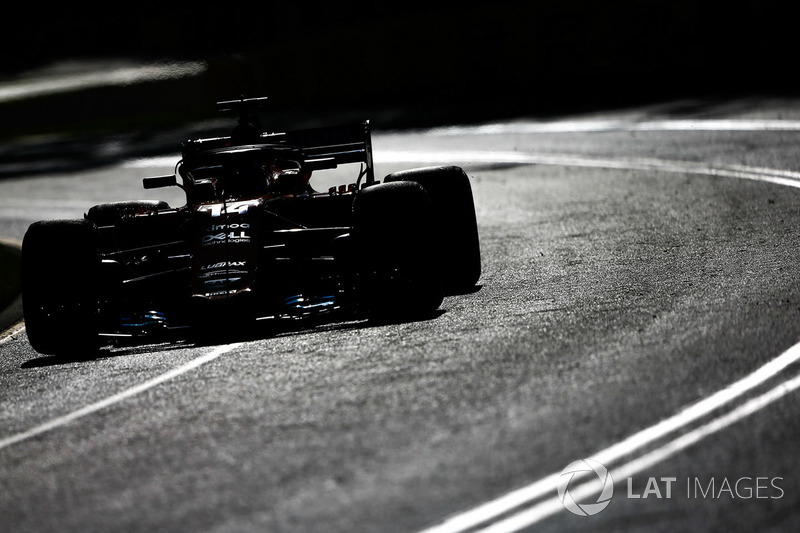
332	146
322	148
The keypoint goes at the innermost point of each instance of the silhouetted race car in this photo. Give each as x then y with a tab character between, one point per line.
254	242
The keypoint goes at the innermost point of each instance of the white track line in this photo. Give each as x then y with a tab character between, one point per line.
11	333
780	177
111	400
604	126
632	444
553	505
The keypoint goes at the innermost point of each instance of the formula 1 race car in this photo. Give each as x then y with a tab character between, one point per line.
254	242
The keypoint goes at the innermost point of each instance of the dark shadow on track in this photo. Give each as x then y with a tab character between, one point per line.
243	334
104	352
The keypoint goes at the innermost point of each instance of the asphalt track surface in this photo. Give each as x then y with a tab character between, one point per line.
639	306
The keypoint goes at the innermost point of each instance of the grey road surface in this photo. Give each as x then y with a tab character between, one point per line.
635	264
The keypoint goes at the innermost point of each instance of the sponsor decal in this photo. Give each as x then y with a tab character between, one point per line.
225	227
221	273
232	237
220	282
223	264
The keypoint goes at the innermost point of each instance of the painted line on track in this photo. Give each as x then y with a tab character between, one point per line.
636	442
780	177
553	505
116	398
11	333
606	126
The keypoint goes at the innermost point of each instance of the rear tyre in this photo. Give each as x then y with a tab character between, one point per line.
59	287
455	224
395	252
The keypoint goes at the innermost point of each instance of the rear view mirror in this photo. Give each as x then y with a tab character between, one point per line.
157	182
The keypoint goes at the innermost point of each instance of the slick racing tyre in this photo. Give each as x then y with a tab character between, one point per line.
395	252
455	226
59	287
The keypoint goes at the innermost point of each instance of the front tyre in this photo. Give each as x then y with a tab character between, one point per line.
59	287
395	253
